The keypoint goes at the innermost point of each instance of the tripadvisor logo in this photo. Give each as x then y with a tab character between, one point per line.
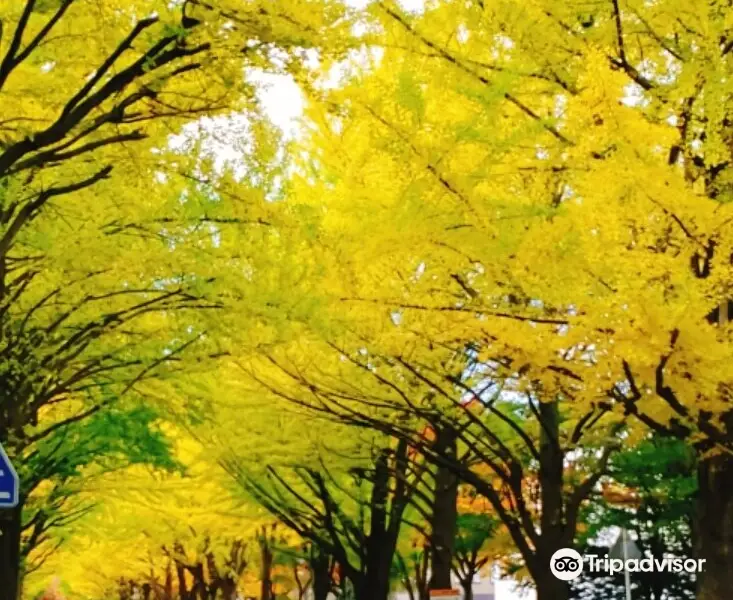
567	564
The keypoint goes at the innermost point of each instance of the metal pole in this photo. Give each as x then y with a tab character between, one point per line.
627	576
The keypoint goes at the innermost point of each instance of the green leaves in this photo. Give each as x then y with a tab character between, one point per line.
106	441
474	531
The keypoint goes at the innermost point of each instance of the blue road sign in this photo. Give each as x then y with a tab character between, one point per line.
9	483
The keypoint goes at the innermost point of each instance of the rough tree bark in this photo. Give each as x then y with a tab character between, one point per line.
552	519
267	560
444	511
714	527
10	531
467	586
549	587
322	568
381	544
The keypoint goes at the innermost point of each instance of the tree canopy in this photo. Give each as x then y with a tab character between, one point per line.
492	263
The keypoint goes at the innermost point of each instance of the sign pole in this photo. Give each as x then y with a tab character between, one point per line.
10	519
9	482
627	575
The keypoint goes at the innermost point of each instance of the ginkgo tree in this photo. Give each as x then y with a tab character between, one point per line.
549	183
104	228
176	532
541	190
345	494
533	459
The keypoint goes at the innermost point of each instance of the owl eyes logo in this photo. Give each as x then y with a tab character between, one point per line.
566	564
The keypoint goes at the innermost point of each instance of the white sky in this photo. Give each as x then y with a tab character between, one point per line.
281	96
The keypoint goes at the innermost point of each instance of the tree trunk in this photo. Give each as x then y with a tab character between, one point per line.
467	585
183	591
199	589
266	573
228	589
374	582
376	586
554	532
372	585
168	586
444	513
10	529
404	576
551	588
321	575
300	586
714	539
421	575
551	475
